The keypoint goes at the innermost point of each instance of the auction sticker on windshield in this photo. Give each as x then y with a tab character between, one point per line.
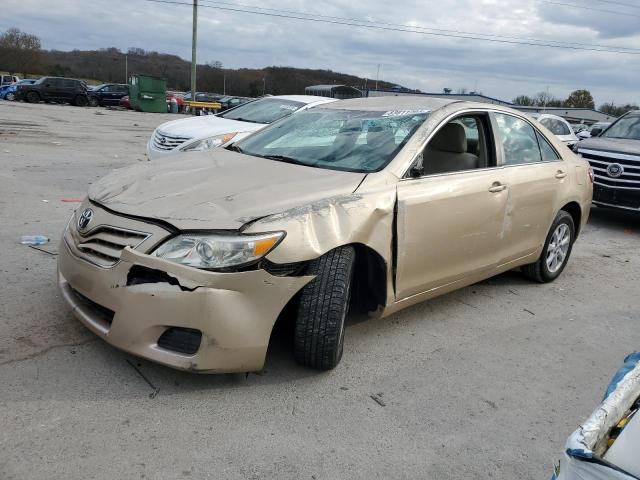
402	113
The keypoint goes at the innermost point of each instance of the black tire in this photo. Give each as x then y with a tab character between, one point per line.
80	101
10	96
33	97
323	307
93	102
539	271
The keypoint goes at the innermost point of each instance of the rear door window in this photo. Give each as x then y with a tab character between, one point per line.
519	140
547	151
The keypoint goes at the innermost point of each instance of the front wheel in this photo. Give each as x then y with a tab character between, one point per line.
556	251
323	307
80	101
33	97
93	102
10	96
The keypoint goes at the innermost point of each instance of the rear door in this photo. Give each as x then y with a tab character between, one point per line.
450	219
536	176
69	89
52	89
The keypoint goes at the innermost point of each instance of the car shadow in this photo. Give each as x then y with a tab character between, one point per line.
614	219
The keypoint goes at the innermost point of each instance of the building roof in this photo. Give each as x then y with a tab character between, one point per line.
473	97
570	113
388	103
330	87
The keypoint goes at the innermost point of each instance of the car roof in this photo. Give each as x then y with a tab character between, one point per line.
546	115
399	102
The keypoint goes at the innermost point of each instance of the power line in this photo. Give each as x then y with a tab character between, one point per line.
415	27
364	24
619	3
582	7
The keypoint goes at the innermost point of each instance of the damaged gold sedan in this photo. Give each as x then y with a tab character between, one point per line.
374	204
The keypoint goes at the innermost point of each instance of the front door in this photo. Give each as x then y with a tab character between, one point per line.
451	218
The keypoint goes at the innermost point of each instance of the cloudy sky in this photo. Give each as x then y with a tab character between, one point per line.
427	62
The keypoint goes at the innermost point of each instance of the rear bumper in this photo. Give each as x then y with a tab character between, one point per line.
234	311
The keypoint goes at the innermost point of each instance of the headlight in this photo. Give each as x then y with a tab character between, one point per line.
217	250
207	143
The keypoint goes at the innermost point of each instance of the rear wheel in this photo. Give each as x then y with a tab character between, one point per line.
93	102
80	101
323	307
10	96
556	251
33	97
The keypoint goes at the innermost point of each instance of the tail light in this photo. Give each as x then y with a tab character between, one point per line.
590	174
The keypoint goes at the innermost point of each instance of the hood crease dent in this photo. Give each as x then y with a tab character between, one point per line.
219	190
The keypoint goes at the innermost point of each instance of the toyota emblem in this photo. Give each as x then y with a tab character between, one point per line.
163	140
615	170
85	219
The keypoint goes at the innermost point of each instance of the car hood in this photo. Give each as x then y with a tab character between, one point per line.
206	126
615	145
218	189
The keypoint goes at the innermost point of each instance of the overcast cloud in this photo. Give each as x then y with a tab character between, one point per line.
427	62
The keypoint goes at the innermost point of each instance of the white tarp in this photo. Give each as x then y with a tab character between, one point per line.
584	449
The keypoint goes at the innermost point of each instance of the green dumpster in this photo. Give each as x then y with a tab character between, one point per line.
148	94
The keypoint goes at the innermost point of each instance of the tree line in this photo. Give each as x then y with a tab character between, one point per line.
577	99
22	53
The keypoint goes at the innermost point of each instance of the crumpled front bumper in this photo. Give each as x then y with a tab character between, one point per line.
234	311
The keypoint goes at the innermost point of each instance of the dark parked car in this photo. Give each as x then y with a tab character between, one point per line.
55	89
614	155
230	102
107	94
203	97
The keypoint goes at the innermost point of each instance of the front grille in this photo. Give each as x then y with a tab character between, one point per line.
104	244
181	340
165	143
599	161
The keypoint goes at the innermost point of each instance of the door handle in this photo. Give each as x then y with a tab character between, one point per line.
560	175
497	187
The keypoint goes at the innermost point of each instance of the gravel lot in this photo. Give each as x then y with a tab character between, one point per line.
488	381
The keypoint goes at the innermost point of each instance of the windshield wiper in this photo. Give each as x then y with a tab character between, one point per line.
243	120
282	158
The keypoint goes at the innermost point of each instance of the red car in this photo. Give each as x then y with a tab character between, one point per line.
176	99
124	102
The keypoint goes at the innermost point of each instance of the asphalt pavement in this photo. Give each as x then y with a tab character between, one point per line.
485	382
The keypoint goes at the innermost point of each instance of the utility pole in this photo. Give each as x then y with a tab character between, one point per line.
194	40
126	68
224	83
377	76
264	85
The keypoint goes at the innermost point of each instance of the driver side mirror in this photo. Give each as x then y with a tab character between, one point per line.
416	171
595	132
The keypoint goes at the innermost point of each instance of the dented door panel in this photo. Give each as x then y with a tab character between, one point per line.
449	227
